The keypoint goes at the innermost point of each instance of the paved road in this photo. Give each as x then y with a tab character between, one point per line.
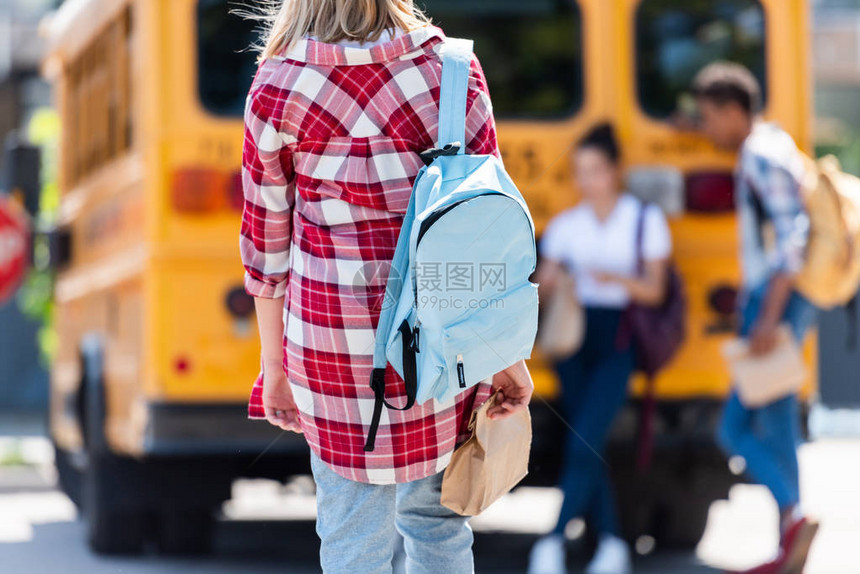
263	547
268	528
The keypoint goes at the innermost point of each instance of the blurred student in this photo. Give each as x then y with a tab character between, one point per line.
596	242
767	185
343	101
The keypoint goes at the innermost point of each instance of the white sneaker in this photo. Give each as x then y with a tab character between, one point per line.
548	555
612	557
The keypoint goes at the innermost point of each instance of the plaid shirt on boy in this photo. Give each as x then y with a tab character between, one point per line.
332	137
771	167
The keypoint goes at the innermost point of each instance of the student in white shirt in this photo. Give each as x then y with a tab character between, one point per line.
595	241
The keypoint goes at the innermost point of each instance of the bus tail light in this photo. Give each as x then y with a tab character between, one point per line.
710	192
203	190
198	190
237	194
181	364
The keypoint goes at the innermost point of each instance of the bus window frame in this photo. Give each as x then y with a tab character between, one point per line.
634	68
573	111
99	71
196	52
565	115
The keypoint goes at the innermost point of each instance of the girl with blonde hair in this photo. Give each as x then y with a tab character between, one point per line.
343	101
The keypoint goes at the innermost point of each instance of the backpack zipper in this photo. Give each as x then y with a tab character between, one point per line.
434	217
427	223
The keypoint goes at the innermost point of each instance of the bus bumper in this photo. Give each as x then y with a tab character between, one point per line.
206	429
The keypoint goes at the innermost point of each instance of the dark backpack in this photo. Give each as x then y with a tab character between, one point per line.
657	333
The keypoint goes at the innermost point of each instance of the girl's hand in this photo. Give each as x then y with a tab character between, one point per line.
515	386
278	403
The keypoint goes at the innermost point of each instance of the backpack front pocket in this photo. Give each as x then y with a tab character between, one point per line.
489	338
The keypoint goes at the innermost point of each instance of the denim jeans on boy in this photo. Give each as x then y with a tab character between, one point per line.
767	437
358	523
594	388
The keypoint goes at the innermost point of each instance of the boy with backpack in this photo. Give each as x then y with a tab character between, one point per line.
774	228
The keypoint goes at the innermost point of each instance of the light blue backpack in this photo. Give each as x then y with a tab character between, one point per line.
458	306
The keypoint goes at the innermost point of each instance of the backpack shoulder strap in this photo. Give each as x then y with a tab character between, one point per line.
640	238
393	286
456	61
456	56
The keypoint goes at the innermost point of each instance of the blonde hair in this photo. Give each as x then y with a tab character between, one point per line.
285	22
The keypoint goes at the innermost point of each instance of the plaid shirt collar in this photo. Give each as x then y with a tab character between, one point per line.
405	46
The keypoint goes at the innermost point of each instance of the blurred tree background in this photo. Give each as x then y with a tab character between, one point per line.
35	296
26	114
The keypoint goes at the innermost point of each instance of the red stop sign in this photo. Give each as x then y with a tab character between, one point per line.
14	246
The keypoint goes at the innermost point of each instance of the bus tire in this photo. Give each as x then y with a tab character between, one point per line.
680	522
117	519
115	513
670	502
685	492
115	531
69	478
185	531
71	465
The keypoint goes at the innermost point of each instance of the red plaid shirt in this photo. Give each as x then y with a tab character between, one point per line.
332	136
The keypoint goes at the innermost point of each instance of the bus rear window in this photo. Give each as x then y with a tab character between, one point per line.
531	52
225	64
676	38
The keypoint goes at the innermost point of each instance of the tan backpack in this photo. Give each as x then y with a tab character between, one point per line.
831	274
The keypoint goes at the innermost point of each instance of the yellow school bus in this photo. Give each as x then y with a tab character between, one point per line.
157	341
158	344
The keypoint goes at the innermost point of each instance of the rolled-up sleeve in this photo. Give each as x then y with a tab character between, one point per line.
268	183
781	200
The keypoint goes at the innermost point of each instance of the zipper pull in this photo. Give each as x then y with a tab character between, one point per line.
461	375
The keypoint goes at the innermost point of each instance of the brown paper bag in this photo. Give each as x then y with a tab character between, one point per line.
763	380
490	463
561	328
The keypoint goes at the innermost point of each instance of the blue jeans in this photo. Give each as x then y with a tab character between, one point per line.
594	388
358	523
767	437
